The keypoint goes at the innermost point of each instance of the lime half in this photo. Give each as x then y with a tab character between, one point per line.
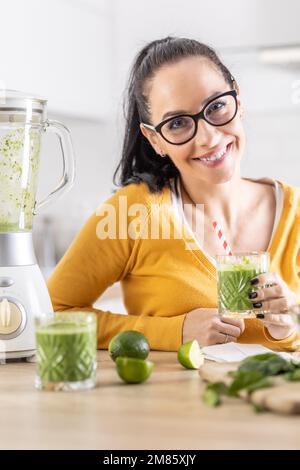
190	355
133	371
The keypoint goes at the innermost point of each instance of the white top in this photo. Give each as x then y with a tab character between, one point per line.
178	209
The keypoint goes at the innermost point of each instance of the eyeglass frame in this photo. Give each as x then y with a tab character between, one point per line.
196	117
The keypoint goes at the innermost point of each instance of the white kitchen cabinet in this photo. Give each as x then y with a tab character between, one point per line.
59	49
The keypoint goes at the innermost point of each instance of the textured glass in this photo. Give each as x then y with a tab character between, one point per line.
234	275
66	350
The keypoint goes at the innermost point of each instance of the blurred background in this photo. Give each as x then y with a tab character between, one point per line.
77	54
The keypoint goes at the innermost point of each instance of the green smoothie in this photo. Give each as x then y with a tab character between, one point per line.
66	351
234	287
234	282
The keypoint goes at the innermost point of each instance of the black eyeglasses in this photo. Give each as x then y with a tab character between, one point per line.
179	130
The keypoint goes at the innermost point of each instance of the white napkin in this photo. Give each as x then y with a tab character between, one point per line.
235	352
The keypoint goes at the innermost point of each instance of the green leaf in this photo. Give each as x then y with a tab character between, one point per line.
268	364
259	357
258	408
293	376
211	398
243	380
253	374
212	393
262	383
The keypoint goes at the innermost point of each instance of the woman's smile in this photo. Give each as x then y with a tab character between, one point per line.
215	158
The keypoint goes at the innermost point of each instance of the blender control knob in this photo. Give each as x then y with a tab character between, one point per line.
12	318
6	282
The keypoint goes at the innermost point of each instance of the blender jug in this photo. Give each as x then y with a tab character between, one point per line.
23	291
23	121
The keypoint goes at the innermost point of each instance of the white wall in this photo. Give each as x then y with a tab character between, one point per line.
231	25
58	49
94	145
270	95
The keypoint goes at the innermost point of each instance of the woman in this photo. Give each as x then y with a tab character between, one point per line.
171	160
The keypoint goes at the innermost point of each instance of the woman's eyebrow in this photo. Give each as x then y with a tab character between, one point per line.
182	111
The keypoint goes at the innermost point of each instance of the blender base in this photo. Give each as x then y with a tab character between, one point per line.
28	298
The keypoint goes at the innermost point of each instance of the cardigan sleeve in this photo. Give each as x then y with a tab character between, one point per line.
97	258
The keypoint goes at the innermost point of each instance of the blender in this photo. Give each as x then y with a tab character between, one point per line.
23	291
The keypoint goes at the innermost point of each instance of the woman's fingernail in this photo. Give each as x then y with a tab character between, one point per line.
257	305
260	315
254	281
252	295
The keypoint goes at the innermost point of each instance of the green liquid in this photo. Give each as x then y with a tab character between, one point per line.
66	352
234	287
11	228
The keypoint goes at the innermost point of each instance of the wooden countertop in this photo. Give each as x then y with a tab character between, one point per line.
164	413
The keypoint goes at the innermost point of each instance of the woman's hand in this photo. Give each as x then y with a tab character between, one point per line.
207	327
273	294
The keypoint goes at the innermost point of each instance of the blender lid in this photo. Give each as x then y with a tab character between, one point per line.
14	100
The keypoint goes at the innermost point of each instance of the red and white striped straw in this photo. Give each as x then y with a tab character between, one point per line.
222	238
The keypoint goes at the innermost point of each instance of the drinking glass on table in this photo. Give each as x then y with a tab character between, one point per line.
234	273
66	345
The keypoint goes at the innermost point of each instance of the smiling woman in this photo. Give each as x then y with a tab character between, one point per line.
183	144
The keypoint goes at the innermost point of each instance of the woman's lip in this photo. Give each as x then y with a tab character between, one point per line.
215	163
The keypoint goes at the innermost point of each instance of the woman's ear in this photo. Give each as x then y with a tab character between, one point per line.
151	136
236	87
240	105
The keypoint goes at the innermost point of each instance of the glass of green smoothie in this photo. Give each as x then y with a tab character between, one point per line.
66	345
234	273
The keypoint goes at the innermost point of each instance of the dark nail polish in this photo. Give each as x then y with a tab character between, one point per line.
252	295
260	315
254	281
257	305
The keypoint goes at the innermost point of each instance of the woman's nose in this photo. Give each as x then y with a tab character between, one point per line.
207	135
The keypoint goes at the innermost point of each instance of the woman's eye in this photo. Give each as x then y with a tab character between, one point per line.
215	106
177	123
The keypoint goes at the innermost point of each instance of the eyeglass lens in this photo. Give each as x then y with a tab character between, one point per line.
217	113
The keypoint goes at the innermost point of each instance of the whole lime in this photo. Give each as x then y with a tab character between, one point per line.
133	371
129	344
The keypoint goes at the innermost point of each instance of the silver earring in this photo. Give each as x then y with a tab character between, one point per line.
163	155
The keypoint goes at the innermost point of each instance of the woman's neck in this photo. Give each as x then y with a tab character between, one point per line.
222	202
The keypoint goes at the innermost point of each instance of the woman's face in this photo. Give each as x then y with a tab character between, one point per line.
185	86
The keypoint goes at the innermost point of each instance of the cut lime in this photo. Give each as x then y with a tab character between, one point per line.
190	355
129	344
133	371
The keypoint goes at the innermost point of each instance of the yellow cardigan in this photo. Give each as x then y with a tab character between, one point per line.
162	277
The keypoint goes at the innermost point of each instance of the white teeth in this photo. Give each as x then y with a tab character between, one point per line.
215	157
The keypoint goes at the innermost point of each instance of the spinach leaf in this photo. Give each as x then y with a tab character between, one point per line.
253	374
268	364
293	375
243	380
212	393
259	408
262	383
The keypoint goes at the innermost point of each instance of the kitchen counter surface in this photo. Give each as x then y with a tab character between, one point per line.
164	413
